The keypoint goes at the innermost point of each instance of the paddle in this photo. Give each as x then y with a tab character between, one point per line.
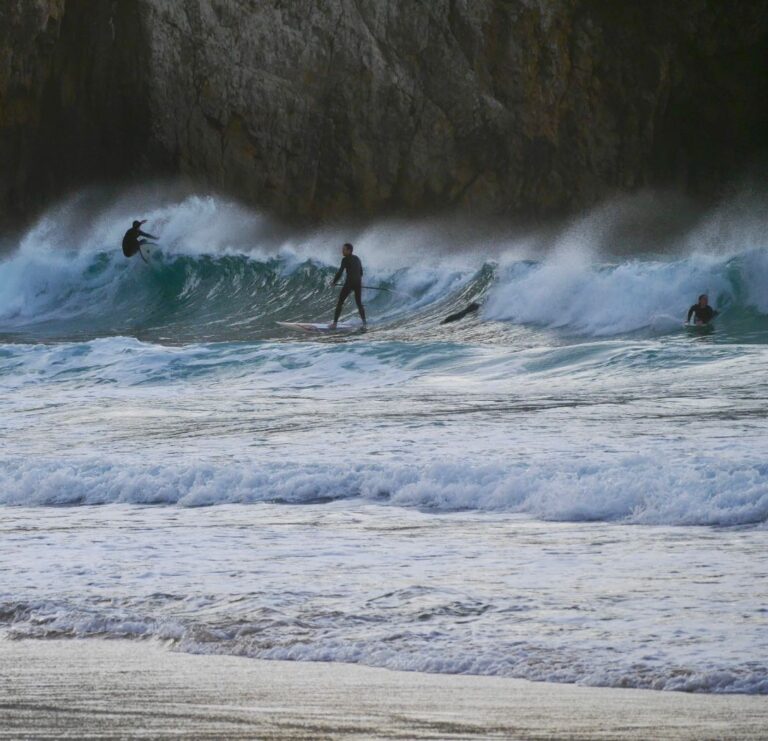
380	288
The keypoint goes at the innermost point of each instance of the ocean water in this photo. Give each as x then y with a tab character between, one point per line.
566	486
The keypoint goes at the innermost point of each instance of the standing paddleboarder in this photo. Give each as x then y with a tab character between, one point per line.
353	283
132	243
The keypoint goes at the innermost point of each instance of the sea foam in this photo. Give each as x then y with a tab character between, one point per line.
639	489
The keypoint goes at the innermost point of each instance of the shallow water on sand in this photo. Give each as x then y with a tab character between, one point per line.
596	603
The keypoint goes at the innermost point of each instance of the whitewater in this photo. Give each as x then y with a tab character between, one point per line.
567	485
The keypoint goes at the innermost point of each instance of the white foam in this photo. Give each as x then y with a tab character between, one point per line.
600	300
640	489
465	593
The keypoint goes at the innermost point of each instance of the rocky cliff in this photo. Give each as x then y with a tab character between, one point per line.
73	91
316	108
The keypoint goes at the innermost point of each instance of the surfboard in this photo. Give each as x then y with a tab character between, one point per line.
150	254
700	328
322	328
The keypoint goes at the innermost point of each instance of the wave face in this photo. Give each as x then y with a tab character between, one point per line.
223	274
220	273
561	485
615	299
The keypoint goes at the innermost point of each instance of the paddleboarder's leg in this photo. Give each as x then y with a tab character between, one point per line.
345	290
359	302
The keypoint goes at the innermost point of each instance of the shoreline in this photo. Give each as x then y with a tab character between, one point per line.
128	689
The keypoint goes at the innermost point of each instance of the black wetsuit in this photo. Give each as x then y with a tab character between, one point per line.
131	241
354	282
704	314
471	308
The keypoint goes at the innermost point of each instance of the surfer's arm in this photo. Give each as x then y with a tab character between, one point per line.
690	313
338	273
144	234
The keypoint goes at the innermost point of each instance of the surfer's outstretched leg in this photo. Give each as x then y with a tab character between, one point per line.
359	302
345	289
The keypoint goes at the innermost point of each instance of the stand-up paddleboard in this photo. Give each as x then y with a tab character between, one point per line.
322	328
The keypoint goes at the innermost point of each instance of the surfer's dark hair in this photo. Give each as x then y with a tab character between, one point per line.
136	223
347	244
703	295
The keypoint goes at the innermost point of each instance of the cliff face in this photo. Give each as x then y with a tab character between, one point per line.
72	82
335	107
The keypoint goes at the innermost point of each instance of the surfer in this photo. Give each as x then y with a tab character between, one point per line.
353	283
132	243
702	311
470	309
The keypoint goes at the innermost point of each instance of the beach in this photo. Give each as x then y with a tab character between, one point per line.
122	689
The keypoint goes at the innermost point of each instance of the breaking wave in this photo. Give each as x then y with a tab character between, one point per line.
641	489
222	273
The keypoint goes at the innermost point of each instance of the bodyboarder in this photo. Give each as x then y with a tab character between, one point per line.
702	312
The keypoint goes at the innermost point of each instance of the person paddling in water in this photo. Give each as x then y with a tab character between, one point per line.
132	243
702	311
353	283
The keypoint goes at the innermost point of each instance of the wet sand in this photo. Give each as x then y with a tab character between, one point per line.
121	689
